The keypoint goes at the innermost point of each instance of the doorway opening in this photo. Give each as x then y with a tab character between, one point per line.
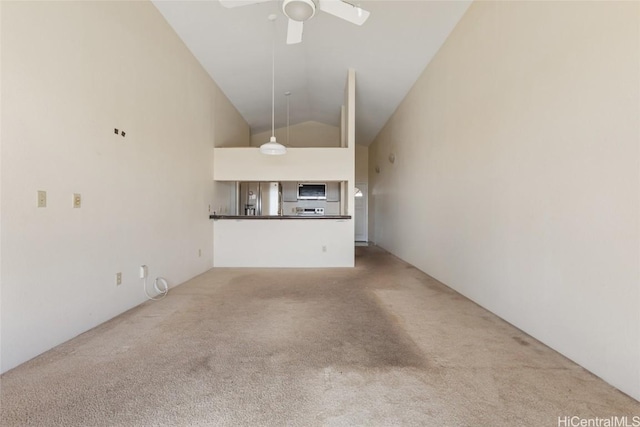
361	213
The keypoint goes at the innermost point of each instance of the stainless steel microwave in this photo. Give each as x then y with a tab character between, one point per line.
312	191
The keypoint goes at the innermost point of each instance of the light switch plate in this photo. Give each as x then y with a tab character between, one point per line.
42	199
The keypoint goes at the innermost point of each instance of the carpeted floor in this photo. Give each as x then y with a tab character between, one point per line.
378	345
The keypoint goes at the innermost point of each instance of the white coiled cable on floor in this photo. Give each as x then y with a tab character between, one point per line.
161	287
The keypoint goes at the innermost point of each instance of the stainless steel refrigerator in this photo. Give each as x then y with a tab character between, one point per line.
260	198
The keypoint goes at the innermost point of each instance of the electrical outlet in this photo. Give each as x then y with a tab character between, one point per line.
324	248
118	279
42	199
77	200
199	252
143	271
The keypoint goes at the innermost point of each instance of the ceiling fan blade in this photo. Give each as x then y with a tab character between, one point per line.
294	32
237	3
347	11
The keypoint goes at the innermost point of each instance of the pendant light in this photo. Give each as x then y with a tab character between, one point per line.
272	147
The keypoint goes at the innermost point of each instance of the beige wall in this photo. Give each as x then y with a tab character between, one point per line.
307	134
71	73
362	163
516	175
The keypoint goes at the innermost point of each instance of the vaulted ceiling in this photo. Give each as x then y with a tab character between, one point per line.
388	52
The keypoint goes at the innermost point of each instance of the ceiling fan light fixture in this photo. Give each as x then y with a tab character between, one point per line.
299	10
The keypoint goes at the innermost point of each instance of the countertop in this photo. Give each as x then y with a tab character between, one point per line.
253	217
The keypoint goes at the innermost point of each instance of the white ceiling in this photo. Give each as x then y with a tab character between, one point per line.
388	53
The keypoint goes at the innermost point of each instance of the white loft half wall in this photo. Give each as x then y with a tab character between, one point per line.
299	164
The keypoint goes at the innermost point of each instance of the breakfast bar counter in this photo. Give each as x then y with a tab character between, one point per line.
271	217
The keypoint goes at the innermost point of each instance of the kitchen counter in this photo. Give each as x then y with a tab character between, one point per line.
286	241
252	217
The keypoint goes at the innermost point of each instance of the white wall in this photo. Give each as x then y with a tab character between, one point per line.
516	175
71	73
309	243
306	134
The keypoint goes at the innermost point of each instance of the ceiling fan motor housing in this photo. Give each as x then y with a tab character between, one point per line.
299	10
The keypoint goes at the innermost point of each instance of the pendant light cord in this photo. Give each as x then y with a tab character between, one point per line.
273	82
272	147
287	94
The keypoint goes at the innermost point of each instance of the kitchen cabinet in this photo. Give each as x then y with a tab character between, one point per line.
289	191
333	191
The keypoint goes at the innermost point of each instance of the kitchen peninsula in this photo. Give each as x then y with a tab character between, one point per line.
283	241
277	217
296	232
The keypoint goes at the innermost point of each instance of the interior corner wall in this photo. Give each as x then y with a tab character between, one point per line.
229	127
516	175
72	72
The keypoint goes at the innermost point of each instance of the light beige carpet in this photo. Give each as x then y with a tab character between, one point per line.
378	345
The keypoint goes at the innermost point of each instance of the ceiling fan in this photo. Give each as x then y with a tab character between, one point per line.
299	11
